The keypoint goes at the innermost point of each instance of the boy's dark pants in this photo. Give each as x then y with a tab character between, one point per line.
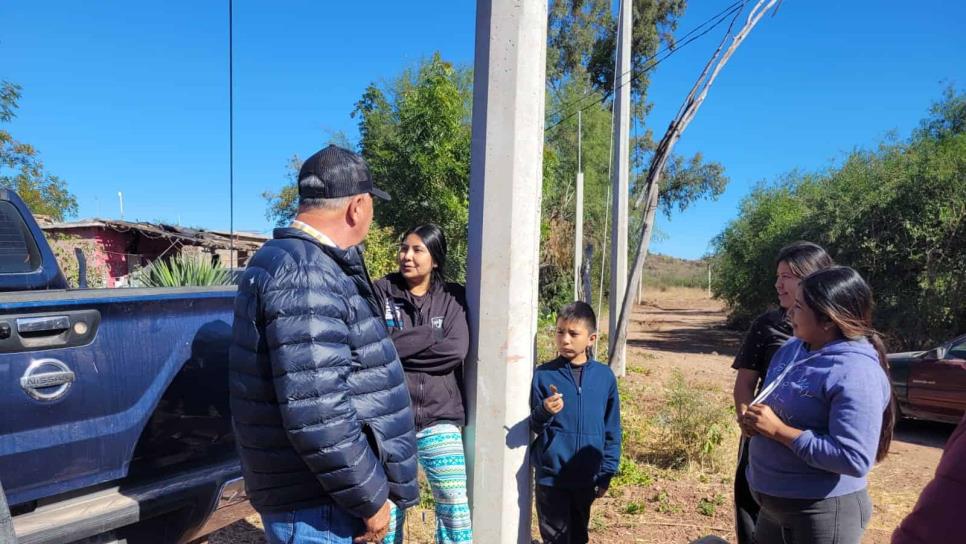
564	514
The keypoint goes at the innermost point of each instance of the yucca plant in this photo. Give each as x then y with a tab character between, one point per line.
184	271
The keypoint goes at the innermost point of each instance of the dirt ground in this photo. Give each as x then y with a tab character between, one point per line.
682	329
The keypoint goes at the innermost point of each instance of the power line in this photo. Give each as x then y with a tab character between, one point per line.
654	62
723	12
683	41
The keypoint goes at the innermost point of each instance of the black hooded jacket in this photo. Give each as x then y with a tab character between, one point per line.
432	338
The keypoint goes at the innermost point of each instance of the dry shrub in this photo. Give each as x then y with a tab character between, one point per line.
690	426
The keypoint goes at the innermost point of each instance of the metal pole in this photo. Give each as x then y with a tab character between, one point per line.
232	255
622	114
502	269
120	199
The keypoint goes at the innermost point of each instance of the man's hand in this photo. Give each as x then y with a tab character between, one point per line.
601	490
376	526
554	403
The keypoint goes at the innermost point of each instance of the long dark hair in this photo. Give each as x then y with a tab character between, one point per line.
435	241
839	295
803	258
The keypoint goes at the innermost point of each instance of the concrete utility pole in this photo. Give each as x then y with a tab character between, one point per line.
620	174
120	199
504	241
579	215
709	278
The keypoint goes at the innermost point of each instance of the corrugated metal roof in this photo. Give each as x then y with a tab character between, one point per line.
200	237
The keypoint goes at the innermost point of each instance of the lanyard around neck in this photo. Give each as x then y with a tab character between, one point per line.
767	391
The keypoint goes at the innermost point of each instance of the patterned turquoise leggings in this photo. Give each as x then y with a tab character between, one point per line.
441	456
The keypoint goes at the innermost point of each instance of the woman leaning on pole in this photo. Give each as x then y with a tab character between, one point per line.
768	332
426	317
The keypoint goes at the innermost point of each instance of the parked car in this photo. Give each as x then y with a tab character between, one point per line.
931	384
114	413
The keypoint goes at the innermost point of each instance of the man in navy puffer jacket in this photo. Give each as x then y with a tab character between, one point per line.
321	413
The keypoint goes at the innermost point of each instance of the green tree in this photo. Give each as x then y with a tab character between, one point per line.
284	204
415	136
22	171
897	214
580	70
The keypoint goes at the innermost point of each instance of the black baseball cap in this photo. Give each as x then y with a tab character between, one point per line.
335	172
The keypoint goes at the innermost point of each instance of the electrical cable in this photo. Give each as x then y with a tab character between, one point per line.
654	62
667	48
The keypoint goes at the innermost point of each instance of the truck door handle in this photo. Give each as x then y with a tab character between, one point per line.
40	331
42	326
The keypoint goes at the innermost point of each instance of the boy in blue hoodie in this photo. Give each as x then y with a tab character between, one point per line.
575	413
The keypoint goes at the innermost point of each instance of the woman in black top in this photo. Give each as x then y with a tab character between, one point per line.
767	333
426	317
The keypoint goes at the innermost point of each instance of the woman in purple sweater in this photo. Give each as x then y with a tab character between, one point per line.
823	419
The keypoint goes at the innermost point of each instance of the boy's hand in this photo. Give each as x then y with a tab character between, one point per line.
554	403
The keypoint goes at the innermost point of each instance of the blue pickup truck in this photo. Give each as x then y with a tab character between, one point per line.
114	415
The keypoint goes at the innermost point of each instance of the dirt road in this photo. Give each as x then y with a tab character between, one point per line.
681	329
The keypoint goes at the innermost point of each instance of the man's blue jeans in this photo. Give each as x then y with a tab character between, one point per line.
326	524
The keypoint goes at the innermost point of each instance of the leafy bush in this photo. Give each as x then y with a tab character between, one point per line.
633	508
691	426
382	248
709	507
630	473
64	249
664	504
415	136
426	498
895	214
556	289
183	271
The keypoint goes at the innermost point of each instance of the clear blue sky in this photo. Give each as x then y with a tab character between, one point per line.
133	97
